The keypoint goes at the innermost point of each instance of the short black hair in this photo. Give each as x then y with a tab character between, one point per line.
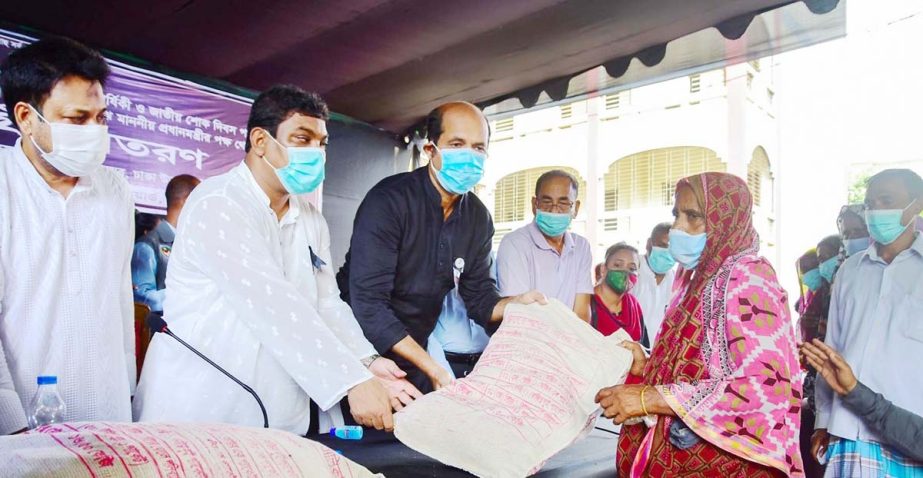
556	173
911	180
808	259
279	103
621	246
663	227
31	72
832	241
179	188
432	125
144	223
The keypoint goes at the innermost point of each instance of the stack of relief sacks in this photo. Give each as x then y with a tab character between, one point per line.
530	396
148	450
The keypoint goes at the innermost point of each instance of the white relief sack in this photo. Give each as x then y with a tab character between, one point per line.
530	396
101	449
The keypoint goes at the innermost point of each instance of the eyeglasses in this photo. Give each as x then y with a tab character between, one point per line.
548	205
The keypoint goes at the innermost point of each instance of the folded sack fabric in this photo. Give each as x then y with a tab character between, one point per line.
158	450
530	396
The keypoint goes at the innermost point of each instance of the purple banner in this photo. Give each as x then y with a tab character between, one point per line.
160	127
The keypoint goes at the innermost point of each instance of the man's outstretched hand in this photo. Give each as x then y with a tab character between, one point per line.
830	365
400	391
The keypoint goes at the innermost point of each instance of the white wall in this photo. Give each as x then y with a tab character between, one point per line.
731	120
839	108
846	106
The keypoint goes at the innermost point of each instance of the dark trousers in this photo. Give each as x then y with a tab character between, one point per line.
812	469
462	364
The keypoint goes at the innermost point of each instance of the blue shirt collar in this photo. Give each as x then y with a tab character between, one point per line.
916	247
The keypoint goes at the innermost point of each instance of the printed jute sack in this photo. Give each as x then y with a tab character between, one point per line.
101	449
530	396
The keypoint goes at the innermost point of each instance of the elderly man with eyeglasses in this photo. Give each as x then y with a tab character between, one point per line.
543	255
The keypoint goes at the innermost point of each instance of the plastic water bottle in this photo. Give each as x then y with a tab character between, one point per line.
47	406
347	432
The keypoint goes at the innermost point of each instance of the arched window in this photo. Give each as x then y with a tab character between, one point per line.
648	178
513	196
759	178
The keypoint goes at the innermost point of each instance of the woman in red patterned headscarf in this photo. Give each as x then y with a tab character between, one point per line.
720	394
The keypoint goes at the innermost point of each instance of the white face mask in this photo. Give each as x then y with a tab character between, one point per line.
76	150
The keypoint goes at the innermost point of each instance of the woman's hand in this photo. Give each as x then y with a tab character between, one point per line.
639	358
623	402
830	365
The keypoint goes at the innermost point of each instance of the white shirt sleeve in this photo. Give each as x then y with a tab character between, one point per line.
127	300
221	239
334	312
12	414
2	288
823	394
513	275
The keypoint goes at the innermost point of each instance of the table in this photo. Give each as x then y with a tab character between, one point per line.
380	452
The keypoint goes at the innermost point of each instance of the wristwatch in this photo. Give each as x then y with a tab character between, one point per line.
368	360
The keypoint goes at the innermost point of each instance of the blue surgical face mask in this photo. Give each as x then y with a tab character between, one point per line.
812	279
462	168
686	248
660	260
858	244
553	224
828	268
305	170
885	224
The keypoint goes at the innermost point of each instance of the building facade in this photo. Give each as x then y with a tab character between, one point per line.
629	148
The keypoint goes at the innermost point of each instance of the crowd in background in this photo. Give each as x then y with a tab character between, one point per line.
721	381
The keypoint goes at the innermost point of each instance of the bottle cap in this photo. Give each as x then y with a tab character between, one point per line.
47	380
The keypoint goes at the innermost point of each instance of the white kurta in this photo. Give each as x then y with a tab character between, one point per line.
65	291
653	297
243	290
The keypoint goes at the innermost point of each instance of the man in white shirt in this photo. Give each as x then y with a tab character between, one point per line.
252	287
875	321
655	279
66	232
543	255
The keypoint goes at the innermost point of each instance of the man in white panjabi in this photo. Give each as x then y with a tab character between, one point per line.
654	289
66	233
252	287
